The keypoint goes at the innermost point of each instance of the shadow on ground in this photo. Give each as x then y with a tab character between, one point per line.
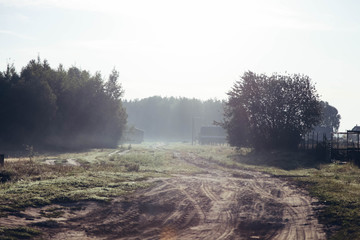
286	160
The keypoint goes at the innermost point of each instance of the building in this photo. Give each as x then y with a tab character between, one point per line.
356	129
212	135
133	135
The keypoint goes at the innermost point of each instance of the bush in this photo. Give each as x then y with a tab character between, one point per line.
112	158
132	167
5	176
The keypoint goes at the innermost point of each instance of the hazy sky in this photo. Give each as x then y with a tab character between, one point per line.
192	48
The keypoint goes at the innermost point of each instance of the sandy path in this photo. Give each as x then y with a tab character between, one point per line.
214	205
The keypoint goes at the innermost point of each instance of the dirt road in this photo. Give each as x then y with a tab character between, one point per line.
213	205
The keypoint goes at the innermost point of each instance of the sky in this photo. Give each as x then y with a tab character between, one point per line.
192	48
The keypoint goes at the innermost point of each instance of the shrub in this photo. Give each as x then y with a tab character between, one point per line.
5	176
132	167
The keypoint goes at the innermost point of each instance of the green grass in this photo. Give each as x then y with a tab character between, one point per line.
159	160
100	177
18	233
336	186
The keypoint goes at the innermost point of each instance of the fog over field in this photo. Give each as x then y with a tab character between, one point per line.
192	119
194	49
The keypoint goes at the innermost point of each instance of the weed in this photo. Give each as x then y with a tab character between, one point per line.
5	176
132	167
52	213
18	233
30	151
47	224
112	158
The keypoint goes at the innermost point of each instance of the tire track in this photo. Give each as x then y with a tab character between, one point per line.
210	205
225	214
195	204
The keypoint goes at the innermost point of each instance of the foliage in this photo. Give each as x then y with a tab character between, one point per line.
330	117
112	87
5	176
171	118
13	233
271	112
30	151
132	167
44	107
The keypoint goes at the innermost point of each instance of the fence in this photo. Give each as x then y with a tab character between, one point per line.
311	140
345	146
342	146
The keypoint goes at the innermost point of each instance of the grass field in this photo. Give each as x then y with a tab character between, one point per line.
336	185
103	174
99	175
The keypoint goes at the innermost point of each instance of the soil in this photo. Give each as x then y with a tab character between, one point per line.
215	204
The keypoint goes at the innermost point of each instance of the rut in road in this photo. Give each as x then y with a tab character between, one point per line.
211	205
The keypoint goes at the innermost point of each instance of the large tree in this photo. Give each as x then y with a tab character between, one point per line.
271	111
330	117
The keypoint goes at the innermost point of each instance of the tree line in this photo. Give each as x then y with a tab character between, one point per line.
71	109
170	118
59	108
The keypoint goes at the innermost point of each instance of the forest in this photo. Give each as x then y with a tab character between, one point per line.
170	118
58	108
71	109
64	109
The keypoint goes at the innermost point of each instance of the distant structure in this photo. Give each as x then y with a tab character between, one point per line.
323	131
212	135
134	135
353	136
345	146
356	129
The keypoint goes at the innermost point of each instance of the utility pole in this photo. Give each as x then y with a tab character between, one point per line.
193	129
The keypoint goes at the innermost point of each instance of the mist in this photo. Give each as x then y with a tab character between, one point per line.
172	119
59	108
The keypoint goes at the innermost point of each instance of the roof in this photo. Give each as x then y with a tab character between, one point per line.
356	128
212	131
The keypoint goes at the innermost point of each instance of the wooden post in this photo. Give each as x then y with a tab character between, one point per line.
192	131
331	146
317	138
313	140
308	141
2	160
347	145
